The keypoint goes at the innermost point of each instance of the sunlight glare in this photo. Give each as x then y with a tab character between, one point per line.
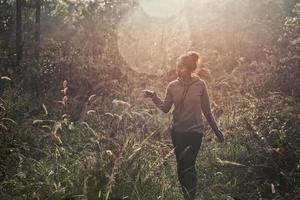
162	8
150	45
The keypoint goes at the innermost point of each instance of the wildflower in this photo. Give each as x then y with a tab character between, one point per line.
5	78
37	121
91	97
273	188
64	90
115	82
56	138
120	102
109	153
218	173
65	83
45	109
64	100
90	112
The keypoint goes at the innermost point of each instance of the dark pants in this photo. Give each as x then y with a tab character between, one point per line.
186	149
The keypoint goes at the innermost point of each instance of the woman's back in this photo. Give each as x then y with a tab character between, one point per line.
186	96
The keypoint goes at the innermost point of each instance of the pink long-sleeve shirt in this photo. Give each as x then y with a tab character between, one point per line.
187	114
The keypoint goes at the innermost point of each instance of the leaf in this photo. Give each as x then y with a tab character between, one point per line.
88	127
63	103
227	162
137	113
218	173
134	152
128	114
109	114
47	127
120	117
91	97
45	109
2	100
56	138
90	112
51	173
1	106
64	90
273	188
65	83
64	116
71	126
65	121
229	198
57	126
146	113
5	78
8	119
37	121
21	175
139	147
3	126
120	102
64	100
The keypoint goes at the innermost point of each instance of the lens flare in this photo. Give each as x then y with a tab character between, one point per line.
150	45
162	8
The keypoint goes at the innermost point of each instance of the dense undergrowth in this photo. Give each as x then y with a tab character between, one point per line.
74	124
121	149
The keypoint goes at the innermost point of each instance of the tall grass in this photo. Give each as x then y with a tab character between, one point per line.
120	149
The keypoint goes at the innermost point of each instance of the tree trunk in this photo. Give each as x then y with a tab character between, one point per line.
37	28
19	50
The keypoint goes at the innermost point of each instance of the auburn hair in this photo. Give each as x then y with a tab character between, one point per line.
188	60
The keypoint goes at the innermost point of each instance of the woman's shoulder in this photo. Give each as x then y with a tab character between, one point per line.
199	80
202	82
173	83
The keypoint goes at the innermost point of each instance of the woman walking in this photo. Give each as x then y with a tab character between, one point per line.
189	95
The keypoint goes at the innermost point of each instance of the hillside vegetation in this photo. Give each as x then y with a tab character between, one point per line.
74	123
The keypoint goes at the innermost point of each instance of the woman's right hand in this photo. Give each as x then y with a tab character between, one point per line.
148	93
220	136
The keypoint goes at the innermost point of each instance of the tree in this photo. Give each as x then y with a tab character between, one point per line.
19	46
37	28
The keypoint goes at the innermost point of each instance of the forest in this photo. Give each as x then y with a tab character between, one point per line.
74	123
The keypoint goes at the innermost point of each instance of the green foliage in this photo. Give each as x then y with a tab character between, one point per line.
74	124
